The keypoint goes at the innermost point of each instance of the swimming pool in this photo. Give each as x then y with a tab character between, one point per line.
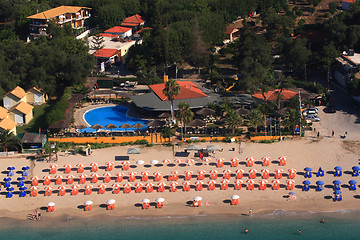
111	115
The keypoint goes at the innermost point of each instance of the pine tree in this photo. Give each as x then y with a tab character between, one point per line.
98	42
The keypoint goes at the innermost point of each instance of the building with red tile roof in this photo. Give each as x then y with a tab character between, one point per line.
273	95
345	4
109	35
120	31
133	21
189	93
187	90
105	53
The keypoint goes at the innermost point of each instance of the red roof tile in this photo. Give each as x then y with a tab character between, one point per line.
118	29
187	90
105	52
108	35
133	21
273	94
230	30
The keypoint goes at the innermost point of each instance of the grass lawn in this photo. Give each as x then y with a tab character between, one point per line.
40	112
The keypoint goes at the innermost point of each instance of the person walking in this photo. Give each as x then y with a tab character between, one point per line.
332	133
318	134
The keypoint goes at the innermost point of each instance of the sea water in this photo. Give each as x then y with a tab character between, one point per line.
279	225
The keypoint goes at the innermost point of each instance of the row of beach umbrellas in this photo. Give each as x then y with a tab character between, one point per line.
174	176
112	126
125	164
139	187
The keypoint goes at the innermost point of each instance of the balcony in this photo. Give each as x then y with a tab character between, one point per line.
39	24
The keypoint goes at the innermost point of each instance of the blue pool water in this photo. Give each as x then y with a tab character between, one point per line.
336	226
111	115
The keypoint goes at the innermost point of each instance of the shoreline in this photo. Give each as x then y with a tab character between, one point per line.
326	153
97	218
229	211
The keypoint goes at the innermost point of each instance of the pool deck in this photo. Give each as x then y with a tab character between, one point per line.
79	113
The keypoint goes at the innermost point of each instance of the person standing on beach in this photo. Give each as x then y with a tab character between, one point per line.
318	134
35	215
250	213
333	133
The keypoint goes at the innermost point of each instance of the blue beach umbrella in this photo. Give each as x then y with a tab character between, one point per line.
20	178
291	193
7	184
11	168
10	189
355	168
306	182
7	179
337	182
22	188
352	182
308	169
25	168
337	192
338	168
320	182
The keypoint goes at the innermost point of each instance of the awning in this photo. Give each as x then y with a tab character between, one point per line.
133	151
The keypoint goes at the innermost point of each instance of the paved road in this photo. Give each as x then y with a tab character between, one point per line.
346	118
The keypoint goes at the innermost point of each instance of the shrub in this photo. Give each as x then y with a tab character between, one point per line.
141	142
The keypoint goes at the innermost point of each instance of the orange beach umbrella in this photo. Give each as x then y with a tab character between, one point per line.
189	161
178	161
206	160
166	161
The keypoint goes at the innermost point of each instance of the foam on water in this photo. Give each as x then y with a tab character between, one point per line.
280	224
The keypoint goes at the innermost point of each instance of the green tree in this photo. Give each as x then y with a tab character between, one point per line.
8	140
185	115
291	119
110	15
252	57
199	55
171	90
233	120
255	118
294	54
332	7
277	24
97	42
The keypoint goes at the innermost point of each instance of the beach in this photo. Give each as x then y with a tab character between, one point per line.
311	152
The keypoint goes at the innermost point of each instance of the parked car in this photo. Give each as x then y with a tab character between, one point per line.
330	109
313	109
310	111
312	118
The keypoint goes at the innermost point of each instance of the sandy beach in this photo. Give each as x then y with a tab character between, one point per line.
311	152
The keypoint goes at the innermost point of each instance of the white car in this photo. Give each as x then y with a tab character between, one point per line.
312	118
310	111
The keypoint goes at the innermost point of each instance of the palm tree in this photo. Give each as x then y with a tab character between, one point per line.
171	90
184	114
233	119
8	140
291	119
255	118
